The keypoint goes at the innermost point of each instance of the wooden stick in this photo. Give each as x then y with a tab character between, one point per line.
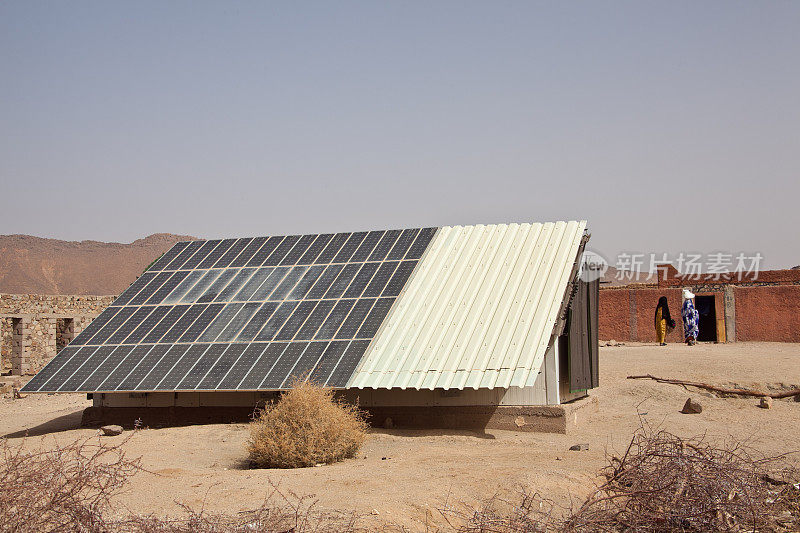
706	386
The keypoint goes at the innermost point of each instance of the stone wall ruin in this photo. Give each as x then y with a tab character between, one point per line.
33	327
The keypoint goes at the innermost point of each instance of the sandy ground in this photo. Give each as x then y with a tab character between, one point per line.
402	475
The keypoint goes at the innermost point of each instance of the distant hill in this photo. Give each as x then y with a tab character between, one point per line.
33	265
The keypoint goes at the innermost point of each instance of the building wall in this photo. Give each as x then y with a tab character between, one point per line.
757	313
770	313
614	317
30	325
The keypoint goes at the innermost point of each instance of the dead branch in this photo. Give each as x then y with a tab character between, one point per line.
723	390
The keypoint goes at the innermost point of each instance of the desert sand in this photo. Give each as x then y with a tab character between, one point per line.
402	476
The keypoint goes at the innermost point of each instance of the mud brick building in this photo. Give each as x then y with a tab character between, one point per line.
762	307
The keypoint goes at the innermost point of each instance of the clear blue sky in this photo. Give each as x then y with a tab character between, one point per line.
670	126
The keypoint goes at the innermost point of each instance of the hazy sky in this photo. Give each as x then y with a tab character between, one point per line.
671	126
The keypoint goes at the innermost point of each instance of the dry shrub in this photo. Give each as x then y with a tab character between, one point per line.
662	484
307	426
665	483
65	488
282	511
69	488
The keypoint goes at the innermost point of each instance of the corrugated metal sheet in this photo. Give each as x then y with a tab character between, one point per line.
479	310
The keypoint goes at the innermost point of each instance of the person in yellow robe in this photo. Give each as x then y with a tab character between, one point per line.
663	321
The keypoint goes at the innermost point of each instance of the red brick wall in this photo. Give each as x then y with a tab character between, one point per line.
614	315
770	313
646	301
763	313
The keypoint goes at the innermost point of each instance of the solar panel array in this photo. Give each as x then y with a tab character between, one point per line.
242	314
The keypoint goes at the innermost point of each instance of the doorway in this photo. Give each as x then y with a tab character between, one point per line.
706	307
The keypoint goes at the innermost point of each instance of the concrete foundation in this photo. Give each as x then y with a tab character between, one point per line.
544	419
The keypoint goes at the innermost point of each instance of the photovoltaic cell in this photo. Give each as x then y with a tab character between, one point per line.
262	366
238	322
68	368
150	288
343	280
192	378
306	282
315	320
142	366
112	325
95	326
281	250
266	288
183	287
51	368
252	284
349	248
219	284
324	282
215	254
235	284
361	280
420	243
283	365
330	251
243	365
347	364
168	256
182	366
183	323
228	257
298	250
115	377
335	319
287	284
221	366
367	245
243	314
165	324
355	318
399	278
209	313
89	365
201	254
265	251
167	287
248	252
105	368
315	249
127	328
381	278
137	285
200	287
328	361
305	363
402	244
275	322
296	320
184	256
255	324
385	245
375	318
219	323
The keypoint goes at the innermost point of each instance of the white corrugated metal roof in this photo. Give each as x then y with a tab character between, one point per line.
479	310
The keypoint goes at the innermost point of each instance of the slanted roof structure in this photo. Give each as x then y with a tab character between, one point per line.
450	307
479	310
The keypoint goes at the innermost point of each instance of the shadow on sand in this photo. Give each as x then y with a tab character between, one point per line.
56	425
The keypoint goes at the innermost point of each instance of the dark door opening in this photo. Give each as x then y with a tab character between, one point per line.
706	307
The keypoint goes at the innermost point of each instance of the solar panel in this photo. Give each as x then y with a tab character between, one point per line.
243	314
